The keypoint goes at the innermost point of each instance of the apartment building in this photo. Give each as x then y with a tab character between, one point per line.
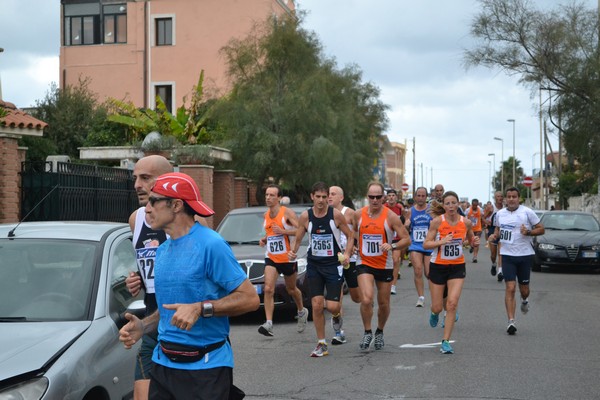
138	49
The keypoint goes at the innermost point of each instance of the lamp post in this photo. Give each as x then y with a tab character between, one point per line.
494	164
489	179
514	159
501	165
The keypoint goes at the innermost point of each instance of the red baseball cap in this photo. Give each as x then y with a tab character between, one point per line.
181	186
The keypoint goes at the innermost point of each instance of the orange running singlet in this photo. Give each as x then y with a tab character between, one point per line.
452	252
372	233
475	218
277	245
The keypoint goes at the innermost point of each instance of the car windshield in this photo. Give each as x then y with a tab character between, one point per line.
245	228
575	222
45	280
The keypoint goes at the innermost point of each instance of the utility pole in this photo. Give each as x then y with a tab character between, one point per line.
415	168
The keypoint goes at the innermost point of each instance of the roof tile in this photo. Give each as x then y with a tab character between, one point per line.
19	119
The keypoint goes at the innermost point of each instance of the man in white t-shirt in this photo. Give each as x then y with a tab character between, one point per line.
515	224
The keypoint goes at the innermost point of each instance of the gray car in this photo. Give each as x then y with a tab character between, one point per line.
62	297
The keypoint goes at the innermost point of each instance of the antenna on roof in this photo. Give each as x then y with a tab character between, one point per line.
11	233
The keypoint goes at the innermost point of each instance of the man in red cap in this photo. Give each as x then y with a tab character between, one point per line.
198	284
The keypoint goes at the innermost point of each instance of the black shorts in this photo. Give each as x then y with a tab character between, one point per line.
144	363
380	275
440	274
517	268
350	275
203	384
286	269
325	281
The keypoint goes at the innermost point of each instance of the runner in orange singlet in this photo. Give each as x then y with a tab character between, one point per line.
446	236
376	226
280	223
475	215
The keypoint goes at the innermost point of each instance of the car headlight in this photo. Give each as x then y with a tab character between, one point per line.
596	247
31	389
546	246
302	265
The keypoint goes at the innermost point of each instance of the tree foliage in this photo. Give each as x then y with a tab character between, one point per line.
189	125
294	117
72	115
555	50
508	176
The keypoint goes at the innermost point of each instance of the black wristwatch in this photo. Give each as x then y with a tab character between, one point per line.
207	310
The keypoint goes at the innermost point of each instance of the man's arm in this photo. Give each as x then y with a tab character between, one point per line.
300	231
242	300
401	232
342	224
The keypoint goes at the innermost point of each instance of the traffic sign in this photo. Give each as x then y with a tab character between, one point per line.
405	187
527	181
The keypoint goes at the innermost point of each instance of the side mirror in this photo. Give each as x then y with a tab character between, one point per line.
137	308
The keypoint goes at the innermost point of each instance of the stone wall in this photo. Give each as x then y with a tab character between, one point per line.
10	183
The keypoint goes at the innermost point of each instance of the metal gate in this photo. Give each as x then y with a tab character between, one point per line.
66	192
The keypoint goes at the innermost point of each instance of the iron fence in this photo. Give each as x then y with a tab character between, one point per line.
76	192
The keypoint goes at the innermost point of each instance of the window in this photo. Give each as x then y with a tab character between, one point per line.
84	24
81	24
165	92
164	31
115	23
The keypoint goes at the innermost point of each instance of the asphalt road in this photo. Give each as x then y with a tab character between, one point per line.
554	355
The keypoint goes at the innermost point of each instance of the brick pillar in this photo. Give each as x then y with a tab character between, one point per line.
224	191
241	192
252	201
10	166
203	176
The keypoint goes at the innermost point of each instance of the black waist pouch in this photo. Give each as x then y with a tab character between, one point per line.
187	354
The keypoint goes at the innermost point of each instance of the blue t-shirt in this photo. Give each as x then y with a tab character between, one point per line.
199	266
419	226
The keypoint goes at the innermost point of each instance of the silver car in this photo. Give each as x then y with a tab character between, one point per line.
62	297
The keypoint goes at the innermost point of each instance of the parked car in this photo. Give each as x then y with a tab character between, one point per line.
572	239
243	228
62	297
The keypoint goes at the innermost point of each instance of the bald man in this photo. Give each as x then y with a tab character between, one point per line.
336	196
146	241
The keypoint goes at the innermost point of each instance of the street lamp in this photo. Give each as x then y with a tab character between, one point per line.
489	180
514	159
501	165
533	162
494	164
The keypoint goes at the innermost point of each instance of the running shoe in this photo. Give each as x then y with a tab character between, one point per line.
420	302
470	250
302	320
336	323
525	307
365	343
444	319
446	348
500	276
433	319
393	289
409	264
320	350
512	328
266	329
379	341
339	338
493	270
475	261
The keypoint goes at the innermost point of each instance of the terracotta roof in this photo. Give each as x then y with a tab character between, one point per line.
19	119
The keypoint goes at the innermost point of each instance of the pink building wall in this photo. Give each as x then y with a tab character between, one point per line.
201	29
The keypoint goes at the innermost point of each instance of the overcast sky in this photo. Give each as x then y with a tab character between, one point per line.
412	50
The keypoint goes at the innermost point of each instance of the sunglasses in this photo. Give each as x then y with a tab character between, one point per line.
376	196
154	200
